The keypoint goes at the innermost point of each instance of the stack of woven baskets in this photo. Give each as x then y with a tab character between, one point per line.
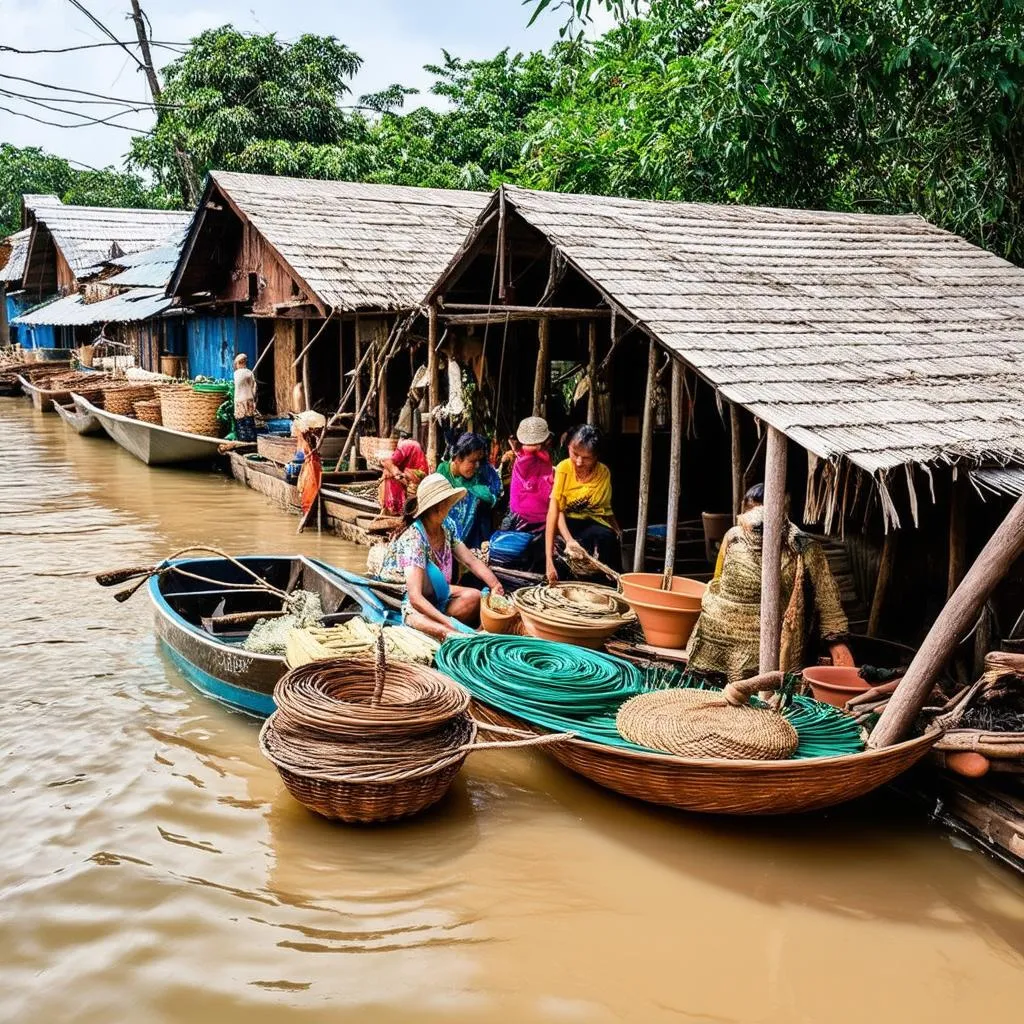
120	397
360	741
192	410
148	410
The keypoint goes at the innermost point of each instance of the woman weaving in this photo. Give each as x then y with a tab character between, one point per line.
422	557
725	644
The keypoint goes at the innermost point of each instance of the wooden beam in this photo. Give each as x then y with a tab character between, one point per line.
991	565
542	374
885	564
771	550
592	370
957	533
305	365
646	447
357	383
674	469
502	244
536	311
433	386
736	446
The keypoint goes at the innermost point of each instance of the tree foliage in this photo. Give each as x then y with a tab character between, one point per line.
33	170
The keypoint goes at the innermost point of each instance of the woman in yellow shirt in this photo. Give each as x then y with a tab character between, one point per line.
580	510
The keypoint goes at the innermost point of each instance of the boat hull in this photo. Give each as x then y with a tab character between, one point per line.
155	445
81	423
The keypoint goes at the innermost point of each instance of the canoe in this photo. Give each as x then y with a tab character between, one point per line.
155	445
208	652
80	422
268	478
42	396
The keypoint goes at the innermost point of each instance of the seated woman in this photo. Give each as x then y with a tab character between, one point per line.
422	556
725	643
468	469
580	510
401	472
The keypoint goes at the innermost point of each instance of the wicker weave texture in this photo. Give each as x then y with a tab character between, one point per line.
191	412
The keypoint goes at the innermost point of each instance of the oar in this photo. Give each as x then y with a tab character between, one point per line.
117	576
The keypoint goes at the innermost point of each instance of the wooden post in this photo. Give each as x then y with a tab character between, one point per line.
592	371
992	564
357	384
737	460
771	550
383	424
433	386
341	359
542	375
306	389
646	447
5	331
957	534
284	370
674	469
882	579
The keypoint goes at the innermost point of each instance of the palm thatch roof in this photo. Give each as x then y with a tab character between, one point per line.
354	246
879	339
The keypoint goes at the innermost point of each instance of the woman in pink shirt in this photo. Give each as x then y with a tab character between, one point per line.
533	476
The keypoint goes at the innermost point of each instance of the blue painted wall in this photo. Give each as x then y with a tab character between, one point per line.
28	337
213	342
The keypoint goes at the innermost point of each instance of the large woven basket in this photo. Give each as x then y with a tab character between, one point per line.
716	786
371	449
121	398
148	410
190	411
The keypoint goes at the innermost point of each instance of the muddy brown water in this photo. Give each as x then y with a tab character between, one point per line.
153	868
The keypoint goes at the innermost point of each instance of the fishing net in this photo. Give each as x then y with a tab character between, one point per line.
270	636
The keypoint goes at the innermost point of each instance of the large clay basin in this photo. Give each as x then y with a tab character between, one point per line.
835	684
665	627
581	636
646	587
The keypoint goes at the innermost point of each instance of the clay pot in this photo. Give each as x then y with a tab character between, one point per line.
646	586
835	684
664	626
493	621
581	636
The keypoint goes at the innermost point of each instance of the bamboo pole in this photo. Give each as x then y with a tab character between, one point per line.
592	370
957	534
433	386
675	458
989	568
542	373
383	426
358	390
885	564
771	550
380	368
736	447
646	446
306	391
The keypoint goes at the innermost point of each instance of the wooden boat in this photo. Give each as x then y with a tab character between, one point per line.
205	646
83	423
719	786
267	477
153	444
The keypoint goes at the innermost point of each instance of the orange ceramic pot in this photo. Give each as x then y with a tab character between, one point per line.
581	636
835	684
492	621
664	626
646	587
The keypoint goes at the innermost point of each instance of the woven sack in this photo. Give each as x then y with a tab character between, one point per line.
709	723
148	411
191	412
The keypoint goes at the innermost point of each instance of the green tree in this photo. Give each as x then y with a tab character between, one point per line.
33	170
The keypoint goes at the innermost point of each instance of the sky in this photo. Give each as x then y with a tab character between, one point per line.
395	38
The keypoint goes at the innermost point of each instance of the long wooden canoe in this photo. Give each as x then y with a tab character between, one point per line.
83	423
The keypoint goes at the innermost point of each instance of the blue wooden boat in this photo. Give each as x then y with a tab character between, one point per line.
203	624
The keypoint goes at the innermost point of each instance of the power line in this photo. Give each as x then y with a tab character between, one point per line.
57	124
106	31
177	47
131	104
108	119
77	92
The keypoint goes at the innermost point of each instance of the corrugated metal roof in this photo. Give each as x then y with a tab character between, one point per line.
879	338
90	235
357	246
72	311
14	268
151	268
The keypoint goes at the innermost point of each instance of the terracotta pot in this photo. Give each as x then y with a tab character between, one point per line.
646	587
664	626
581	636
835	684
492	621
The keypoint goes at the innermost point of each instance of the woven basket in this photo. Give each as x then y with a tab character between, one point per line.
121	398
371	447
148	411
190	411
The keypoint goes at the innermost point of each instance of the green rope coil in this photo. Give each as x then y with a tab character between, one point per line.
565	688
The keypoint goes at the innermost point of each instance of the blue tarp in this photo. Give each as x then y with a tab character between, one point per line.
29	337
213	343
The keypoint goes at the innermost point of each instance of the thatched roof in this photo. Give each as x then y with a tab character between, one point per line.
881	339
355	246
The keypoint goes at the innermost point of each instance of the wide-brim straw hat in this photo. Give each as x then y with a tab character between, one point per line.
435	490
533	430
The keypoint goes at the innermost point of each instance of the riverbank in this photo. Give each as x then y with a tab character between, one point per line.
156	870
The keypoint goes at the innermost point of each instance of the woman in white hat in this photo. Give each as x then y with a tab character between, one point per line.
422	557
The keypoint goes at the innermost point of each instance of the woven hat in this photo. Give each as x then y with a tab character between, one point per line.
433	490
701	723
533	430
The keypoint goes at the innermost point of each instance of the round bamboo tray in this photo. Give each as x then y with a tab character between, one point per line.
121	398
333	796
148	411
371	448
190	411
718	786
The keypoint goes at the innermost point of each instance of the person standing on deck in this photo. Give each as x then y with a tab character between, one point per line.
245	399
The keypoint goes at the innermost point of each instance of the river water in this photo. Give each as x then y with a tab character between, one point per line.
154	869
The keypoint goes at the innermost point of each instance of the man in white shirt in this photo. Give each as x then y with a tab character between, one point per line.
245	399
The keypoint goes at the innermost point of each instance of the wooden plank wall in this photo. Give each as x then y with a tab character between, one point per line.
286	335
